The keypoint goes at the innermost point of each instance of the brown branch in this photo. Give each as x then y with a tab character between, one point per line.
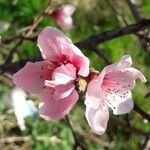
145	145
10	39
115	33
95	138
78	141
101	55
34	25
143	38
142	113
135	10
14	139
120	16
10	56
132	129
25	34
14	67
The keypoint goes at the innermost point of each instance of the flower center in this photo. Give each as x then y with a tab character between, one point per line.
47	70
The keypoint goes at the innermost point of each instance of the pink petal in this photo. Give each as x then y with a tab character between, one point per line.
81	62
65	22
68	9
97	119
31	78
96	110
63	80
121	102
135	74
62	75
125	61
117	81
51	42
123	79
63	16
55	46
93	95
52	109
63	91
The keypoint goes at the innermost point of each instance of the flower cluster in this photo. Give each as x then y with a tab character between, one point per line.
55	79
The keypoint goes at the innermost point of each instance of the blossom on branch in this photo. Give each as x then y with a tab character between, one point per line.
63	16
111	89
54	77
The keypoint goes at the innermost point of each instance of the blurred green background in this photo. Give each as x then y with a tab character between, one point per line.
91	17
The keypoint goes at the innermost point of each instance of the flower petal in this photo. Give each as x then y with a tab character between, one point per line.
63	14
62	81
96	109
135	74
30	78
50	42
65	22
68	9
63	91
80	61
97	119
125	61
120	103
93	97
62	75
123	79
52	109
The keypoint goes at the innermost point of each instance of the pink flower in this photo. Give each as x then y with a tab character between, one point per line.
54	77
111	89
63	14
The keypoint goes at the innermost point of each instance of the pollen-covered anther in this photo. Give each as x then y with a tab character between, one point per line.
50	66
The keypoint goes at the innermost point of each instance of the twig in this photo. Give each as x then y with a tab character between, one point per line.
77	138
135	10
95	138
52	139
107	35
132	129
145	145
101	54
127	119
25	34
10	39
115	33
14	67
37	20
9	58
144	39
120	16
138	110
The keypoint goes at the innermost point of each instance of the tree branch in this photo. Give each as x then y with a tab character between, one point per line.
135	10
132	129
101	54
142	113
12	51
77	138
144	37
14	139
115	33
